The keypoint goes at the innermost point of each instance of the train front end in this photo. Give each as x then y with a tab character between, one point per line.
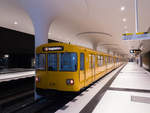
56	68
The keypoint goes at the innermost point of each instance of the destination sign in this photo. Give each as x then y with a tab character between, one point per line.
53	48
137	36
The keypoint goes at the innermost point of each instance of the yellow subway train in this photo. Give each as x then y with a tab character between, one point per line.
70	68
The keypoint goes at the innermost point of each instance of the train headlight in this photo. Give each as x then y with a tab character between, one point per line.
46	49
69	81
37	79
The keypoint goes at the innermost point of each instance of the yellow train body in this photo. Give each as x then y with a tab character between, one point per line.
87	66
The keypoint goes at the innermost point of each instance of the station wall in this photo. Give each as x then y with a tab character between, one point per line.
146	60
18	47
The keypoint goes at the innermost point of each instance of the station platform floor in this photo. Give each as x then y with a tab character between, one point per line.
14	70
129	92
15	73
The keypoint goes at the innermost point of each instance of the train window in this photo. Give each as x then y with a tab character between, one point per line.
117	60
100	60
93	61
81	61
52	62
40	61
68	61
105	59
108	59
90	61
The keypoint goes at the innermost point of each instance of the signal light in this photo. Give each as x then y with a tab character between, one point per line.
45	49
69	81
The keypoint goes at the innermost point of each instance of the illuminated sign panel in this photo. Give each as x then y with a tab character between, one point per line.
135	51
137	36
54	48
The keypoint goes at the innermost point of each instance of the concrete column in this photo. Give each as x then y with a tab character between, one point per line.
42	13
41	37
140	60
41	33
41	17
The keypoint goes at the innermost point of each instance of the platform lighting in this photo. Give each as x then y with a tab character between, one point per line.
122	8
124	19
131	51
6	56
15	22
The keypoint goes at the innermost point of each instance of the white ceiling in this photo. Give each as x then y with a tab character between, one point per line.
92	23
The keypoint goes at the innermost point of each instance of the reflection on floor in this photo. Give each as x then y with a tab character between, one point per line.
16	75
14	70
129	93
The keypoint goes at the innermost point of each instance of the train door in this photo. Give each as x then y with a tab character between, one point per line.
82	69
93	66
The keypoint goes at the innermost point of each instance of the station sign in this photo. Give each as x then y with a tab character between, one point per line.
135	51
53	48
137	36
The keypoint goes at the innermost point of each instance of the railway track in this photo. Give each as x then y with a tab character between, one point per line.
13	100
14	87
43	105
24	102
12	97
17	103
14	91
18	97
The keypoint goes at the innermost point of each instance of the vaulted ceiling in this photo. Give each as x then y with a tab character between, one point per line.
90	23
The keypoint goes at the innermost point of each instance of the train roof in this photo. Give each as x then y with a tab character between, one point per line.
39	48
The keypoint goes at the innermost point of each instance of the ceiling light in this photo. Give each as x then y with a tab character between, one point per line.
15	22
49	33
124	19
122	8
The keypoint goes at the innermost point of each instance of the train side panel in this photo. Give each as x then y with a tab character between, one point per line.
91	66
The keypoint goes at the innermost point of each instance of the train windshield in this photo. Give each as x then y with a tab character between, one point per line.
52	61
67	61
40	61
